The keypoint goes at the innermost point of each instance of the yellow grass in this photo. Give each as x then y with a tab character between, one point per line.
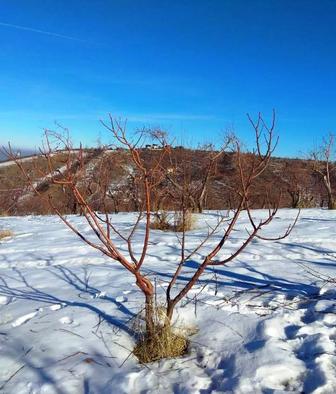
5	233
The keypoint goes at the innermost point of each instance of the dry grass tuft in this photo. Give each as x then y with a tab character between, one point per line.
184	222
161	221
5	233
176	222
164	342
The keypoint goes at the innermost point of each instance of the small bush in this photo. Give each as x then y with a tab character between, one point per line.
176	222
186	223
306	200
161	221
5	233
306	203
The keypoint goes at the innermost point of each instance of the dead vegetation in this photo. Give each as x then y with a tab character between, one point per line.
5	234
173	221
162	343
166	341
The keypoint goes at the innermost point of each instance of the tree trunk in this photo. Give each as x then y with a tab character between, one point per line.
116	208
331	202
200	202
169	313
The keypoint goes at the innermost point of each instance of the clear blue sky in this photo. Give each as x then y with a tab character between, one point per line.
194	67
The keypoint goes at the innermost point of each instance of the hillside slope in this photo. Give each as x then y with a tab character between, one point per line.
108	180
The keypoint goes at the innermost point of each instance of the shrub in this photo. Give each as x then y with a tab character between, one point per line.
176	222
5	234
184	222
161	221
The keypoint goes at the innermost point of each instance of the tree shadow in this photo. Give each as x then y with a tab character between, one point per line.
83	286
312	219
230	279
23	290
89	370
17	285
20	352
294	246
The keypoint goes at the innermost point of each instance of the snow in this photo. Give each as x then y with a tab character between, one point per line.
12	162
23	319
265	323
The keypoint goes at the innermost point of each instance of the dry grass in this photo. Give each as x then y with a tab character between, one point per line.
5	234
164	343
176	222
184	222
161	221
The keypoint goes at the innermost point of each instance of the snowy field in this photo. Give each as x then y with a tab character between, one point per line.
266	323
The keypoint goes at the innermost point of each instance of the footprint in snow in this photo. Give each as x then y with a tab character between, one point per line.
285	376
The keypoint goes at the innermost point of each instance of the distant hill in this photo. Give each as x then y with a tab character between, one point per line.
108	180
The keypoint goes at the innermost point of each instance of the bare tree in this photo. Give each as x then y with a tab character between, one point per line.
299	183
324	166
190	174
208	171
250	167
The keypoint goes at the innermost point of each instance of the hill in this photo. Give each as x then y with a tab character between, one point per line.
108	179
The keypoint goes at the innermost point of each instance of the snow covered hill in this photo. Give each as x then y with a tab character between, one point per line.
265	323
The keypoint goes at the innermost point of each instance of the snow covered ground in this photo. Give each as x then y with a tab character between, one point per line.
266	323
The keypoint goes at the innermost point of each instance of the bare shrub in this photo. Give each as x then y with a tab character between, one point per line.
177	221
161	221
146	176
184	221
305	200
6	233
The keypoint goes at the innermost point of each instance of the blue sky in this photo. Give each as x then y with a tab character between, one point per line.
193	67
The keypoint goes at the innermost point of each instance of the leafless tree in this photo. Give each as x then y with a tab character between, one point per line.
192	177
299	183
250	167
324	166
